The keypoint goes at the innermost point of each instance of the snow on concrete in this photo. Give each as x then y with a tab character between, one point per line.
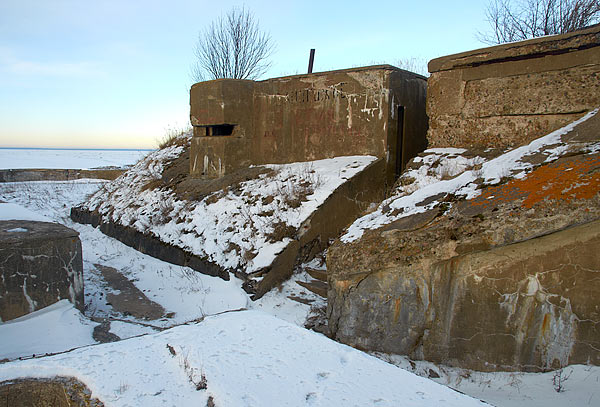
114	373
55	328
430	180
16	158
277	301
247	359
11	211
233	229
181	291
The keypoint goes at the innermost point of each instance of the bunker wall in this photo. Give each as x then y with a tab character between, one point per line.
511	94
306	117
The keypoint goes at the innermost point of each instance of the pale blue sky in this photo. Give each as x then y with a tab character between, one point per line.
116	74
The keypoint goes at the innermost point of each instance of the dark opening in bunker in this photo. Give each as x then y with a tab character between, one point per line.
219	130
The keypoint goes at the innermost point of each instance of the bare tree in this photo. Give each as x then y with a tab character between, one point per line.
233	46
417	65
522	19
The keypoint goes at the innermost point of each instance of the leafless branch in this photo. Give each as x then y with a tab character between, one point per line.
233	46
522	19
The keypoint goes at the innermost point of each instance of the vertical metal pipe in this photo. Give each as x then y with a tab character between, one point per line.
311	60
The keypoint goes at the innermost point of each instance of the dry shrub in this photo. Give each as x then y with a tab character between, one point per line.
152	184
266	213
233	247
214	198
174	136
281	230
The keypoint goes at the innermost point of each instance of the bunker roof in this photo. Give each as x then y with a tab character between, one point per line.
534	48
324	73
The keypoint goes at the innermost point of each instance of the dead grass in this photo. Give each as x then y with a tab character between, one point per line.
196	189
174	136
214	198
280	231
296	189
150	185
249	255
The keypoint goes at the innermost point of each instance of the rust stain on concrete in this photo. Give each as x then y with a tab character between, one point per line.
397	308
567	180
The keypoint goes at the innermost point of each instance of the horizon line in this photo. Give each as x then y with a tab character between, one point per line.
77	148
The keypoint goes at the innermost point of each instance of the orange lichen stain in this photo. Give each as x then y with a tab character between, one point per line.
546	324
342	285
397	305
575	179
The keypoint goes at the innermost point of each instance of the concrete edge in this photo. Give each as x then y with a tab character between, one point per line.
44	174
552	44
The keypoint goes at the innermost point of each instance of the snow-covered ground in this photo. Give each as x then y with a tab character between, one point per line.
246	358
577	385
56	328
255	357
237	228
15	158
180	290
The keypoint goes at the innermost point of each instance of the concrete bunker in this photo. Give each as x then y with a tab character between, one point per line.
376	110
510	94
503	286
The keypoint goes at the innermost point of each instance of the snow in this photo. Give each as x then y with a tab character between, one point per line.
233	229
10	211
16	230
16	158
248	358
513	389
512	161
128	330
430	181
180	290
256	357
55	328
277	303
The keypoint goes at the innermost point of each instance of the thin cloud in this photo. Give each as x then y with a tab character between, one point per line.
12	64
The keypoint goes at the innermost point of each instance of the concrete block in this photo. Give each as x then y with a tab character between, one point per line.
40	264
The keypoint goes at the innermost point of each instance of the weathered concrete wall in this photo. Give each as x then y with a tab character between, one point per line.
221	102
527	306
22	175
503	281
40	264
508	95
307	117
342	207
148	244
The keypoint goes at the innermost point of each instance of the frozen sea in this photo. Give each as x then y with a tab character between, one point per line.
18	158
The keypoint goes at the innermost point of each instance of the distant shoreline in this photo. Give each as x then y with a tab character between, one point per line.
77	149
68	158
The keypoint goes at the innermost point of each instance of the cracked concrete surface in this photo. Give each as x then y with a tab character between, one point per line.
505	281
40	264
